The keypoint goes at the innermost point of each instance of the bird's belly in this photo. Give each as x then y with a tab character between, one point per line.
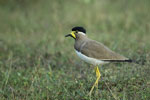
89	59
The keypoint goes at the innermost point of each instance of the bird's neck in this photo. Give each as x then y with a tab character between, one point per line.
79	42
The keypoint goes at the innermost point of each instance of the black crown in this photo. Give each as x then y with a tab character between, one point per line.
80	29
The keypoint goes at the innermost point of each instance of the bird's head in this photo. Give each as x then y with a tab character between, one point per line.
76	32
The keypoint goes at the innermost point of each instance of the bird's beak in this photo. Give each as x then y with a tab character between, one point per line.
68	35
72	34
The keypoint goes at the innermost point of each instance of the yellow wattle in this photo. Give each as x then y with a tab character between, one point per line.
72	33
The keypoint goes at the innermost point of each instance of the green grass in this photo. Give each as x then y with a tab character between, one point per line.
37	62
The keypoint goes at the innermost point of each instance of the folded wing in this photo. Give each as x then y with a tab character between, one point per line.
97	50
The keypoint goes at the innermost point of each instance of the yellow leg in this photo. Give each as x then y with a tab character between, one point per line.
98	75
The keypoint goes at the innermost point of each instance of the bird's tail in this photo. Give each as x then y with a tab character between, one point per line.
140	61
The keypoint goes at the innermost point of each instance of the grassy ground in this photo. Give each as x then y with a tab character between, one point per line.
37	62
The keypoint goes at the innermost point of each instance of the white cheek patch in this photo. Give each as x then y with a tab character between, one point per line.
81	33
90	60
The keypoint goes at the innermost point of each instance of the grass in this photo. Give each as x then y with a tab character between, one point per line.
37	62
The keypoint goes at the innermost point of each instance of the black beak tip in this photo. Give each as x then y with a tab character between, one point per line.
67	35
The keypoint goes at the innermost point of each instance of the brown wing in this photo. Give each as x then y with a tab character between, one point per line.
97	50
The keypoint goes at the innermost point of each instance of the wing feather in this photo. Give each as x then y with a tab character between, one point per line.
97	50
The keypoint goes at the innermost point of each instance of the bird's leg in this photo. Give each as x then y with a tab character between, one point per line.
98	75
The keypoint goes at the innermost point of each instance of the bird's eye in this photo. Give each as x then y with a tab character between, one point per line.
76	31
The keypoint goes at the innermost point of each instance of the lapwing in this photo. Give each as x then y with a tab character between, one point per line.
93	52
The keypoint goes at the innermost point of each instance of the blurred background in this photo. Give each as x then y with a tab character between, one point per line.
38	62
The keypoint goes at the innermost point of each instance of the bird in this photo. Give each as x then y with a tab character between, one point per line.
93	52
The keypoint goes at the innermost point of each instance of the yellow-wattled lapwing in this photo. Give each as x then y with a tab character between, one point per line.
93	52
